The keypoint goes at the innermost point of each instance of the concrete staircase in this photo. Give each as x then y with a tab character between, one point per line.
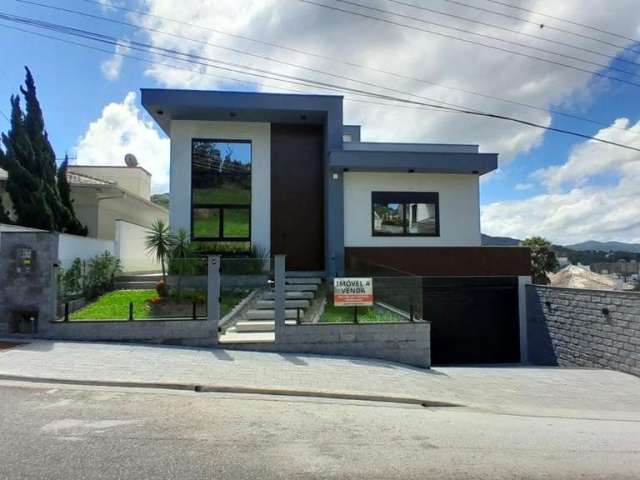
260	318
142	281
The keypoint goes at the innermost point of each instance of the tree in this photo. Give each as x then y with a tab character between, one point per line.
543	258
73	225
30	162
159	243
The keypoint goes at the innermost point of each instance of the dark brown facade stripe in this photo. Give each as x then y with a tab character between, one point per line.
439	261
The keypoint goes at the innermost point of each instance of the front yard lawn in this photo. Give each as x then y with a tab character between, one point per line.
115	305
333	314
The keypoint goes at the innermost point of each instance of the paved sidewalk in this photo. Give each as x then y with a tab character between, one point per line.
515	390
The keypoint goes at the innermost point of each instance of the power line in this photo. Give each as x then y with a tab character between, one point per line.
473	42
516	32
467	32
378	95
483	35
354	64
577	24
235	50
542	25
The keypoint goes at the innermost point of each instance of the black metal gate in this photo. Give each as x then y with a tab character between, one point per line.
473	320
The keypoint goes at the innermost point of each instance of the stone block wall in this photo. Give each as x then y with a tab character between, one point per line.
407	343
32	287
584	328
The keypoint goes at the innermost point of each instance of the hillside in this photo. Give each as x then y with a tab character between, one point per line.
489	241
161	199
593	245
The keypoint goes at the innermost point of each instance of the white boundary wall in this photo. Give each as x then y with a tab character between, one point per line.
71	247
131	250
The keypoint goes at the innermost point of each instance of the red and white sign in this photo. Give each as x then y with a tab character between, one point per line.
352	292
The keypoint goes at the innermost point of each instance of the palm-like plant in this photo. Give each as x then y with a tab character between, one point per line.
159	243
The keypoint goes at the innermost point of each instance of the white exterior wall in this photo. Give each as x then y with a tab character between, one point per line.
71	247
183	131
128	209
130	248
459	197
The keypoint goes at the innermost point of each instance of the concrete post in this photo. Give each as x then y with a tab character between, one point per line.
522	315
279	269
213	289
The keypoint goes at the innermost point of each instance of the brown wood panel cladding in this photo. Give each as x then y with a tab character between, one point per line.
439	261
297	195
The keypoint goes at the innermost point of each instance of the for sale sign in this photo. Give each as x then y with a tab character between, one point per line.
352	292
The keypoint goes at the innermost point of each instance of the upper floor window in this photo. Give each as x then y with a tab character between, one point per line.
221	190
405	214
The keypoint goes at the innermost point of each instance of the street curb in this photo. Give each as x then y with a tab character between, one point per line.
237	390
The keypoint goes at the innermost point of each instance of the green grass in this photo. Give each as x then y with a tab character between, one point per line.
333	314
115	305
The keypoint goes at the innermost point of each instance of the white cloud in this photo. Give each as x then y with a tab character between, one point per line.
112	67
521	187
410	53
123	129
576	206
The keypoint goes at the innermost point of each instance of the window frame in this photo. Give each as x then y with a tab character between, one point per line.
405	199
220	206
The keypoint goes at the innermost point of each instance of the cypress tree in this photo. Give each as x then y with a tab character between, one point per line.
34	182
73	226
25	189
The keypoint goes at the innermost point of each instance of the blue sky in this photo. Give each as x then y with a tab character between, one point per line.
74	91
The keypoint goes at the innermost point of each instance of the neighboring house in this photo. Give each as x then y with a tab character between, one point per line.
103	194
574	276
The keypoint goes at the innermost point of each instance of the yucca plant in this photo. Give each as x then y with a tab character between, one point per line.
159	243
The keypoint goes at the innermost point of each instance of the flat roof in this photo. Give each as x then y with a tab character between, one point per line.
412	161
165	105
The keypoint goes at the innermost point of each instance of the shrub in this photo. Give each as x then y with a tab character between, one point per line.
101	271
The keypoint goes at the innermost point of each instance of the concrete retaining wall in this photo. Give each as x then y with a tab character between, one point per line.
584	328
202	332
407	343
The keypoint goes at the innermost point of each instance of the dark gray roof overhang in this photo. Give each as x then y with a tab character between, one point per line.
425	162
165	105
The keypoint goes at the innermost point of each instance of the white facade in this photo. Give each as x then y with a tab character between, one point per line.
459	197
182	133
132	179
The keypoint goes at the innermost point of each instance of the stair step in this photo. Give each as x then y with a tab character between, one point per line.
271	314
151	277
303	280
134	285
270	295
301	288
264	326
261	304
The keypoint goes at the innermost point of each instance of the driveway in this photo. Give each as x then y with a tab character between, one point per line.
517	390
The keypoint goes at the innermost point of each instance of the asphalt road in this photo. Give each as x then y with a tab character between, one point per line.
71	433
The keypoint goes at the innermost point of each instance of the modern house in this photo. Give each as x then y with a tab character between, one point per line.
103	194
282	174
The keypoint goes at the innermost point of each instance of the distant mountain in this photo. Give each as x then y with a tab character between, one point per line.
489	241
593	245
161	199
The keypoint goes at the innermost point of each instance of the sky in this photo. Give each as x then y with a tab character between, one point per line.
565	188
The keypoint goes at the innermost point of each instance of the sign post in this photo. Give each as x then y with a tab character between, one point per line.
353	292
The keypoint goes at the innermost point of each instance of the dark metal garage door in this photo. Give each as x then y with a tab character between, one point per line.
473	320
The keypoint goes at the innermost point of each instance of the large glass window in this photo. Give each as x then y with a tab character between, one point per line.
221	190
405	214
